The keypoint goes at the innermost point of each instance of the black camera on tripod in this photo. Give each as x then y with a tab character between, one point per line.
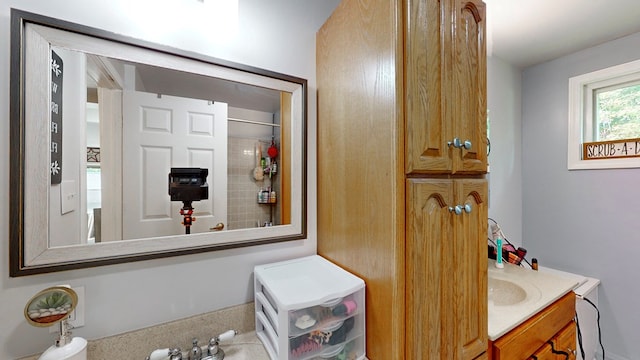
188	184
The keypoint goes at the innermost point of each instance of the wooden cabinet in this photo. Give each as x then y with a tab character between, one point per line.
444	260
550	334
445	77
397	81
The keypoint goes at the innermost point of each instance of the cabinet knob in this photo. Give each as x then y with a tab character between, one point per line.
456	143
459	208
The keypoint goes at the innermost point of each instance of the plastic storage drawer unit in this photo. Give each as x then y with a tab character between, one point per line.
309	308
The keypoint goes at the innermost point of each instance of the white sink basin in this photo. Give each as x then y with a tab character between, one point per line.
504	292
512	292
245	352
516	293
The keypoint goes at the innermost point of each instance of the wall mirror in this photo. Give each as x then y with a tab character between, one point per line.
110	136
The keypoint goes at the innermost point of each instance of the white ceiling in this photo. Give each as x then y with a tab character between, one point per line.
530	32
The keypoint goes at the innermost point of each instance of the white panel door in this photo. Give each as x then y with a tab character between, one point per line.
161	132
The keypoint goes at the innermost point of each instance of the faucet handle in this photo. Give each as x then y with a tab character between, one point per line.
214	350
175	354
227	335
159	354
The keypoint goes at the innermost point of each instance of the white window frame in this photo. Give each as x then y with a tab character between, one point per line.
581	89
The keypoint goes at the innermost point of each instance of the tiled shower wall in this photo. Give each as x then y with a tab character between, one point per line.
243	210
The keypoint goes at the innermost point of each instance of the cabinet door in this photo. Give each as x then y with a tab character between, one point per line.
565	341
427	126
469	83
446	266
428	234
445	87
468	265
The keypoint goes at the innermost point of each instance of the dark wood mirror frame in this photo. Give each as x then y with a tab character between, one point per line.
75	256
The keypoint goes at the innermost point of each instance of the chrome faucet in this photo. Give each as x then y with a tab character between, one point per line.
213	350
196	352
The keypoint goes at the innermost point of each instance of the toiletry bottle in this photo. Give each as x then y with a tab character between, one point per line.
263	197
499	263
534	264
513	258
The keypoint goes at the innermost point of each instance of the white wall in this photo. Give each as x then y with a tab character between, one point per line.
583	221
68	225
277	35
505	159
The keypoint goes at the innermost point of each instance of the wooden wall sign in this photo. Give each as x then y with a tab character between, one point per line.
56	118
611	149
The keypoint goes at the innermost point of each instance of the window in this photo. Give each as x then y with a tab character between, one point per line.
604	118
617	114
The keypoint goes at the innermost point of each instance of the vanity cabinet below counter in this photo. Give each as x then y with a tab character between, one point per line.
548	335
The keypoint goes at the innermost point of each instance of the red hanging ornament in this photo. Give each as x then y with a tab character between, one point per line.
273	150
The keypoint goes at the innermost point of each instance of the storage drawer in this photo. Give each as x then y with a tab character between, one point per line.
309	309
349	350
536	331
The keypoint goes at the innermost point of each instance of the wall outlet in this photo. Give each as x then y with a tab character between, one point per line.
76	318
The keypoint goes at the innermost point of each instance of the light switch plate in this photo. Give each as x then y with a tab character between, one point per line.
68	196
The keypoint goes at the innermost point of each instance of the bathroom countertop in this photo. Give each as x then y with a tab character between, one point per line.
244	346
138	344
542	289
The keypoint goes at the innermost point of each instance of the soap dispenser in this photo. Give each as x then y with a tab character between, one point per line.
65	347
53	306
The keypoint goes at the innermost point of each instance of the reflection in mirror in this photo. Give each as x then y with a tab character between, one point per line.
170	119
147	153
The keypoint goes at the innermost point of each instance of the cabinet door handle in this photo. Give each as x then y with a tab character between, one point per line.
456	143
560	352
459	208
